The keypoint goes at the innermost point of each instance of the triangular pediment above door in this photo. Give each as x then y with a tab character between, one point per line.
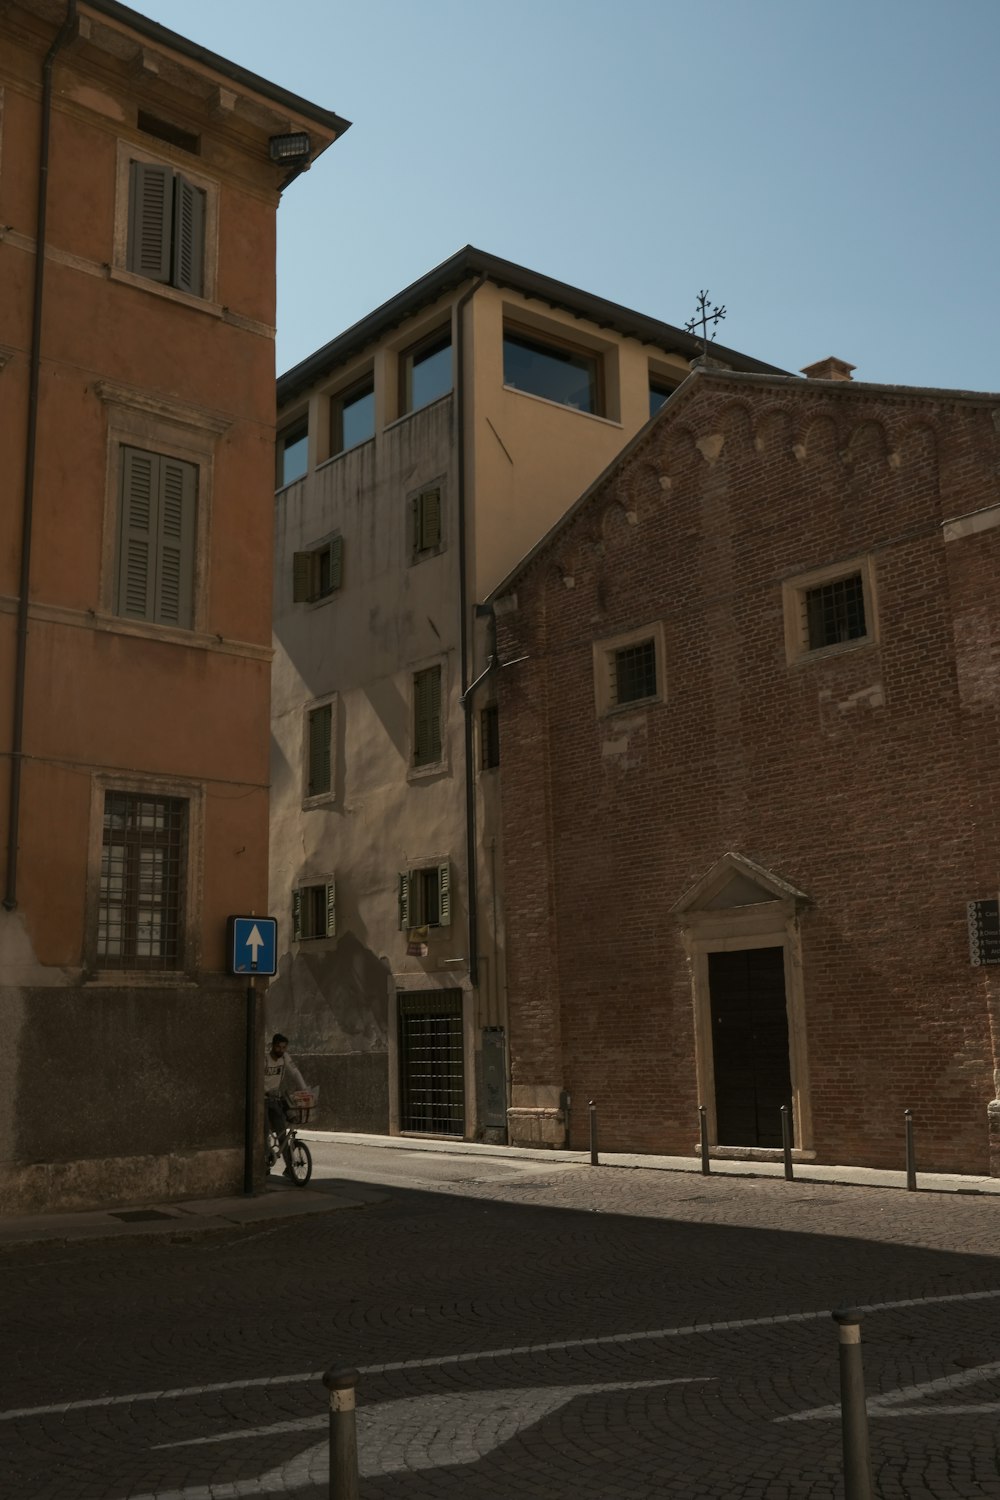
735	881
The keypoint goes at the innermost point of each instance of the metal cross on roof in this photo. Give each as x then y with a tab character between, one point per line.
704	318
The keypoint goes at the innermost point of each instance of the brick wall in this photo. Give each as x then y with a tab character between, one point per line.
868	777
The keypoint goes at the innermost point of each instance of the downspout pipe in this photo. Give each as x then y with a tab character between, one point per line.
30	449
472	879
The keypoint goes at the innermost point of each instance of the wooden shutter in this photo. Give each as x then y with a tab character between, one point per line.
303	573
427	716
150	220
336	562
444	894
331	909
137	535
296	916
175	543
403	893
320	725
429	506
188	237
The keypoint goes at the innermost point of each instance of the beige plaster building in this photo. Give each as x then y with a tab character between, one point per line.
420	455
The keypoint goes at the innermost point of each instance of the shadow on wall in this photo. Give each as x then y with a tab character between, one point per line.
333	1005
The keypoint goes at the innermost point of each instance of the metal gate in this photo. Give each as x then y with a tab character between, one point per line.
431	1063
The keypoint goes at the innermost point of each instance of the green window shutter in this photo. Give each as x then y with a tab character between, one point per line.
134	592
427	716
150	220
296	916
444	894
302	577
320	726
404	901
174	595
188	237
331	909
336	562
430	520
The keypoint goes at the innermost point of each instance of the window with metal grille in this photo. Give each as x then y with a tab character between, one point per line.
431	1063
489	735
319	760
140	906
425	522
314	911
835	612
633	672
427	716
154	576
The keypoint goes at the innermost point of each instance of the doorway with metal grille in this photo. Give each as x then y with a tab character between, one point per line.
431	1063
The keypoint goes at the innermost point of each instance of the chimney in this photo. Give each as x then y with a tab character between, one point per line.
830	368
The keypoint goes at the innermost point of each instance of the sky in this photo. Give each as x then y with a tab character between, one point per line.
825	169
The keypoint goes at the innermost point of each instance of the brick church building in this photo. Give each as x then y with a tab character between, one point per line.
750	773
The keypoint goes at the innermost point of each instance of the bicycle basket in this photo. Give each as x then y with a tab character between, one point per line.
301	1103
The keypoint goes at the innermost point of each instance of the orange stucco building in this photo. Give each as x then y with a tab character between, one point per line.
137	441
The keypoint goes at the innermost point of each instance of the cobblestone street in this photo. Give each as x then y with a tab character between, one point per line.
561	1331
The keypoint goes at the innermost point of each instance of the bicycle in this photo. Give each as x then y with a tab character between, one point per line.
298	1106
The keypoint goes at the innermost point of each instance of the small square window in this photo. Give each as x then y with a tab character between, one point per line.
489	737
829	610
425	371
427	735
318	573
629	670
425	523
352	416
425	896
314	912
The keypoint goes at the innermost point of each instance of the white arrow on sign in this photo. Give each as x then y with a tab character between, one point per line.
254	942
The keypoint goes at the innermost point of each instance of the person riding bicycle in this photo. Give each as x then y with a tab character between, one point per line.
281	1076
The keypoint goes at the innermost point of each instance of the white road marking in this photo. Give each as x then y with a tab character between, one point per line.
416	1432
438	1361
893	1403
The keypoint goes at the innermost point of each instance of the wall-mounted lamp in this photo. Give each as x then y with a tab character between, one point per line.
291	149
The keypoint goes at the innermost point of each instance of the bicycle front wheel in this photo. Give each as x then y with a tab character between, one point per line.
302	1163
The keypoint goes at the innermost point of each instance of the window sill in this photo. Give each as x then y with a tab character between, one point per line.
576	411
161	289
321	800
425	773
824	653
638	705
139	979
421	557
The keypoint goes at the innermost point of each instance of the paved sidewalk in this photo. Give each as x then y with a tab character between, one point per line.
927	1182
182	1221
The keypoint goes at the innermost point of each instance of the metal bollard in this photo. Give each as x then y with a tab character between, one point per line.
786	1140
343	1434
858	1481
706	1165
593	1134
911	1161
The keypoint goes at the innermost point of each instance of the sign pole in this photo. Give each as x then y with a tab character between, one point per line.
249	1126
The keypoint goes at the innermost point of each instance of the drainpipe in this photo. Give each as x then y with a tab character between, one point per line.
463	605
31	442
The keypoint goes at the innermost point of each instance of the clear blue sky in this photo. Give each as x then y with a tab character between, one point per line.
826	168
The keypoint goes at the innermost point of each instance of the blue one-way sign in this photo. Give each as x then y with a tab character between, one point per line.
252	945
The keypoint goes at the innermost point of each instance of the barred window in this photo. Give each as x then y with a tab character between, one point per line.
140	907
835	612
633	672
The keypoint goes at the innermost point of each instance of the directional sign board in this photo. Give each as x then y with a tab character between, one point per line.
252	945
